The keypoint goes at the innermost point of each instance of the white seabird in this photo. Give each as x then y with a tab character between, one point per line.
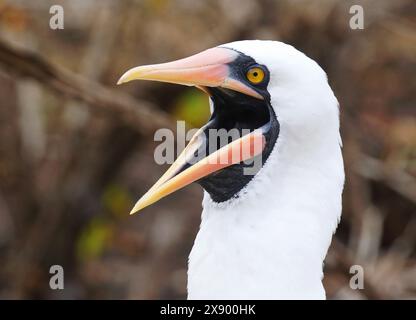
262	236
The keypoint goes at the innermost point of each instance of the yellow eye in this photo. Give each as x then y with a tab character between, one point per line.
255	75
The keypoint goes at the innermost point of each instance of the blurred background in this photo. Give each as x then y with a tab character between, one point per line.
76	151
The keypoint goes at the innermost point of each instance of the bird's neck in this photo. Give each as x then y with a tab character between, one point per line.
271	242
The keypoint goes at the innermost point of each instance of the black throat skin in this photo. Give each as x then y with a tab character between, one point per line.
236	110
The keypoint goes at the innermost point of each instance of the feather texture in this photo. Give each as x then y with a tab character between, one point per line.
270	242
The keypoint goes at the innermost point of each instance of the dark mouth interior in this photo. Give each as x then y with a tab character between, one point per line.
234	110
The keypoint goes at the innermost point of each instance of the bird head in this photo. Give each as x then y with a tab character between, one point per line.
254	88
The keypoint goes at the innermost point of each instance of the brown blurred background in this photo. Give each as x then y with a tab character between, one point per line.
76	151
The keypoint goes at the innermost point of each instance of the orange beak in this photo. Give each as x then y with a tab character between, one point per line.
206	69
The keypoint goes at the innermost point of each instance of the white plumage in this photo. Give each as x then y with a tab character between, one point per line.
271	241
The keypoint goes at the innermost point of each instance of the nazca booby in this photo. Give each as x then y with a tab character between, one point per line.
262	236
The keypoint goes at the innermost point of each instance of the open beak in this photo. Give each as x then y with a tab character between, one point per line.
209	68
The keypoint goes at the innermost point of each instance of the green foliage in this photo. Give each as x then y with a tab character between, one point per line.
117	200
93	239
193	107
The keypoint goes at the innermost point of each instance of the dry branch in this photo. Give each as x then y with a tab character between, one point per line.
396	179
140	115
